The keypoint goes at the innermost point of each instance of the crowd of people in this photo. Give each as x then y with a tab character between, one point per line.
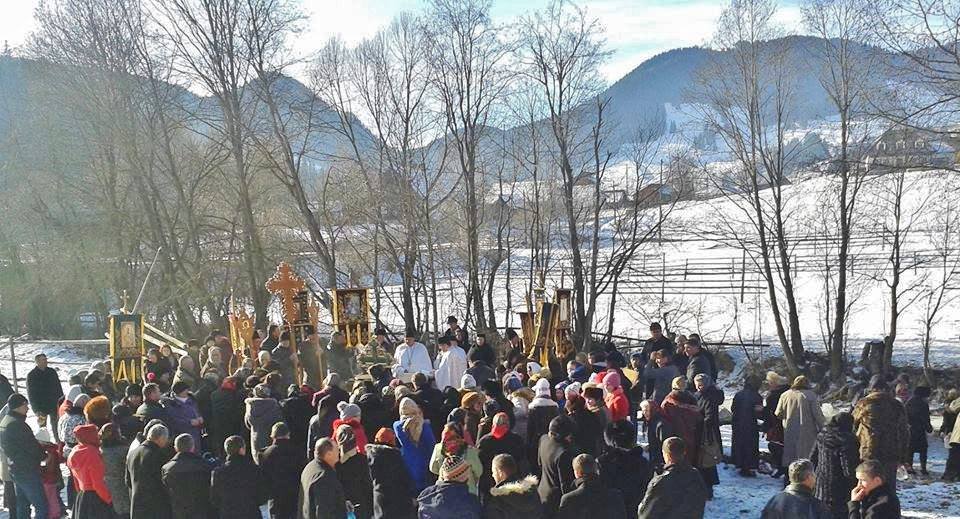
474	431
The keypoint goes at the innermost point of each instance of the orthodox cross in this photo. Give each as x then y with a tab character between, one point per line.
286	285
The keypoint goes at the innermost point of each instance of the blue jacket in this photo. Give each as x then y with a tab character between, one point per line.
416	456
445	500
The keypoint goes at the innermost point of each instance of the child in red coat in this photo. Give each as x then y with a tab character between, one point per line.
50	474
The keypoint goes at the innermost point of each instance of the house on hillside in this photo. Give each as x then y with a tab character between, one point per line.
653	195
904	148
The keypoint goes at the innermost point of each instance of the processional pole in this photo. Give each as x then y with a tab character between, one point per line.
136	303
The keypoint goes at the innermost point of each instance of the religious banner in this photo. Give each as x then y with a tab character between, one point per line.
563	300
544	333
241	335
127	347
286	285
351	315
527	327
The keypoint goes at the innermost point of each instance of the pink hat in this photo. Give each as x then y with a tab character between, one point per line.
612	379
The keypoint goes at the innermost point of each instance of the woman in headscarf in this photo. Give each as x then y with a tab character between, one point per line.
472	403
353	473
453	444
350	415
86	466
835	457
416	443
214	364
541	411
799	408
187	372
520	397
500	441
392	486
709	399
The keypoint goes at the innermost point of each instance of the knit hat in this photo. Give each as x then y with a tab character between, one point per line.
612	379
79	402
458	415
468	382
561	427
261	391
43	436
346	442
454	468
678	384
572	389
348	411
16	400
533	368
385	436
542	388
470	399
512	384
73	392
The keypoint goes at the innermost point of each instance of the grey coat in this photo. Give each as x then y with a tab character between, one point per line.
115	466
261	414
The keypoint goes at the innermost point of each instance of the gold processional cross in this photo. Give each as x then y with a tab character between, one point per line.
286	285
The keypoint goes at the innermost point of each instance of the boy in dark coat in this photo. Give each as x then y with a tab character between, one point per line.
392	485
797	500
590	497
282	464
186	479
873	498
450	496
835	457
238	487
514	495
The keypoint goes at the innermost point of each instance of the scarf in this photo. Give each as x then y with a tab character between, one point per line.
452	438
501	426
411	418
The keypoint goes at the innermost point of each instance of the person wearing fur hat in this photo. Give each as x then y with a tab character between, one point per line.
593	397
350	415
556	452
881	426
472	403
353	472
799	409
416	441
450	497
392	486
262	411
452	443
541	411
623	465
514	493
500	440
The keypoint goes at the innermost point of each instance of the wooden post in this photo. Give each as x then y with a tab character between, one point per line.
13	364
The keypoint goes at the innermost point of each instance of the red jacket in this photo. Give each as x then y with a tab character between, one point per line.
50	472
86	464
358	432
619	405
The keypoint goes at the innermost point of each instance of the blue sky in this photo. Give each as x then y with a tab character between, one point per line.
635	29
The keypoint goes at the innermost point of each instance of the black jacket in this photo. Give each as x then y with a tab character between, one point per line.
484	354
152	411
226	418
591	498
20	446
238	489
745	449
835	457
187	480
148	497
514	499
281	464
321	494
589	432
44	390
628	471
795	502
297	413
556	465
392	486
354	476
882	503
539	416
5	389
678	493
489	447
430	400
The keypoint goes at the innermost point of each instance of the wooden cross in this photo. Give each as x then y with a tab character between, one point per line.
286	284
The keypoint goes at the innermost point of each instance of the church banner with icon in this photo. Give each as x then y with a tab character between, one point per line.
127	347
351	315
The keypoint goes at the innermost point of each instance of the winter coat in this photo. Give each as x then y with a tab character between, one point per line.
44	390
65	427
658	430
281	465
185	375
539	414
392	486
115	466
335	393
321	494
152	411
628	471
882	503
660	380
795	502
471	456
238	489
358	432
179	415
373	414
187	481
322	426
296	414
284	358
261	415
447	500
589	431
226	417
591	497
881	426
709	401
745	450
481	373
5	389
773	426
556	478
835	457
698	364
148	497
513	499
86	464
681	411
802	420
619	405
354	476
521	409
489	447
484	353
918	416
678	493
416	456
20	446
